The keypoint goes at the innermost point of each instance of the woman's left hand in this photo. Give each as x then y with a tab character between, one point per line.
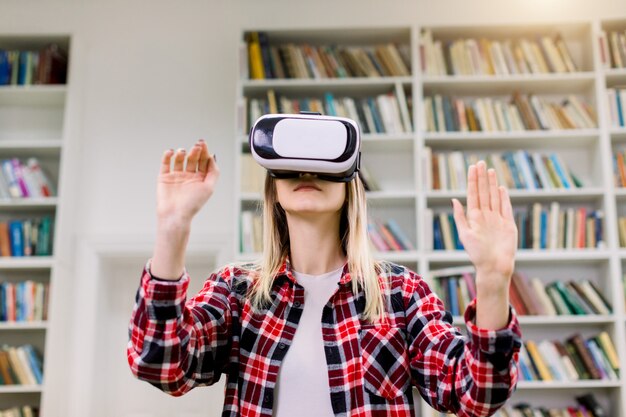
488	231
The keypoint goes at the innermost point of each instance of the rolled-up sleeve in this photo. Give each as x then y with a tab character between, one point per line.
175	344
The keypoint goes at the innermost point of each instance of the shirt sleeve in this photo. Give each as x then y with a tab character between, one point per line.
177	344
468	376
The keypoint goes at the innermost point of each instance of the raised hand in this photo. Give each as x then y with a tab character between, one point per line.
185	188
488	231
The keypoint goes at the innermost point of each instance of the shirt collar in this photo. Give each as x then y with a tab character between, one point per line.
287	271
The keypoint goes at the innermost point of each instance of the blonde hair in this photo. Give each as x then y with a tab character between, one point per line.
363	269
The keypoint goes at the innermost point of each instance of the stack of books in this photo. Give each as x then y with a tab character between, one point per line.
290	60
519	169
528	296
493	57
617	106
20	365
384	113
619	168
613	49
577	358
538	228
24	301
26	237
46	66
388	236
24	180
492	114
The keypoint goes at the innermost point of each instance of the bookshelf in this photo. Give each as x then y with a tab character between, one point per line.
32	124
405	196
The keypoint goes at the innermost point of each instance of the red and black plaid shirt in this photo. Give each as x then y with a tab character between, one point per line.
177	345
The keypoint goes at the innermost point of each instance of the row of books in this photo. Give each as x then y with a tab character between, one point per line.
23	411
20	365
529	296
617	106
619	168
586	406
538	227
613	49
576	358
388	236
483	56
24	301
45	66
384	113
519	169
289	60
521	112
20	179
27	237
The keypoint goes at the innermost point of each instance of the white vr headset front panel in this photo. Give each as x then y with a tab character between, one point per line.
316	139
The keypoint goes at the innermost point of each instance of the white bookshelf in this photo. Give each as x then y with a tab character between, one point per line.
32	123
587	152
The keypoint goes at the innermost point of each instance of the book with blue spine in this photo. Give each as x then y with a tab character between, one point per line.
559	170
437	238
35	363
329	99
526	171
376	115
454	302
17	241
543	230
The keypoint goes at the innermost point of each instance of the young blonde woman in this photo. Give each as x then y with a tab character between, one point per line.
318	328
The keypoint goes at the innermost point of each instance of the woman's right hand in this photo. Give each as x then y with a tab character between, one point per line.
184	189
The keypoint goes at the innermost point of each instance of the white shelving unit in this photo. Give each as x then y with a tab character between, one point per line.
587	151
32	123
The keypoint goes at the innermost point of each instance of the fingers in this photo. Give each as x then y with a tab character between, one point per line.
193	157
212	167
459	216
483	185
472	188
203	162
179	159
505	201
166	161
494	194
197	159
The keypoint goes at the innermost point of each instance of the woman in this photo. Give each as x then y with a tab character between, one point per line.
318	328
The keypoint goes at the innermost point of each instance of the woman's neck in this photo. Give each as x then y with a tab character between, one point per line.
315	244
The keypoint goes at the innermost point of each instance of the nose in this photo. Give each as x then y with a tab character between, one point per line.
302	174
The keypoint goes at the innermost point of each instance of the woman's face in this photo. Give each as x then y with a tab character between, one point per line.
310	195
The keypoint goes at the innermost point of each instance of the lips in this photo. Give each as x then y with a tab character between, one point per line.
307	185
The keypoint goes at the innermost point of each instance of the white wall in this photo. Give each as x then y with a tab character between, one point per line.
151	74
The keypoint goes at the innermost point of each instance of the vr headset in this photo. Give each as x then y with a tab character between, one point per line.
288	145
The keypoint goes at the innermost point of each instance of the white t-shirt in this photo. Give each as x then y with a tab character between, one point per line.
302	389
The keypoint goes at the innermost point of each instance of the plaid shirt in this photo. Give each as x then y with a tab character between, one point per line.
177	345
